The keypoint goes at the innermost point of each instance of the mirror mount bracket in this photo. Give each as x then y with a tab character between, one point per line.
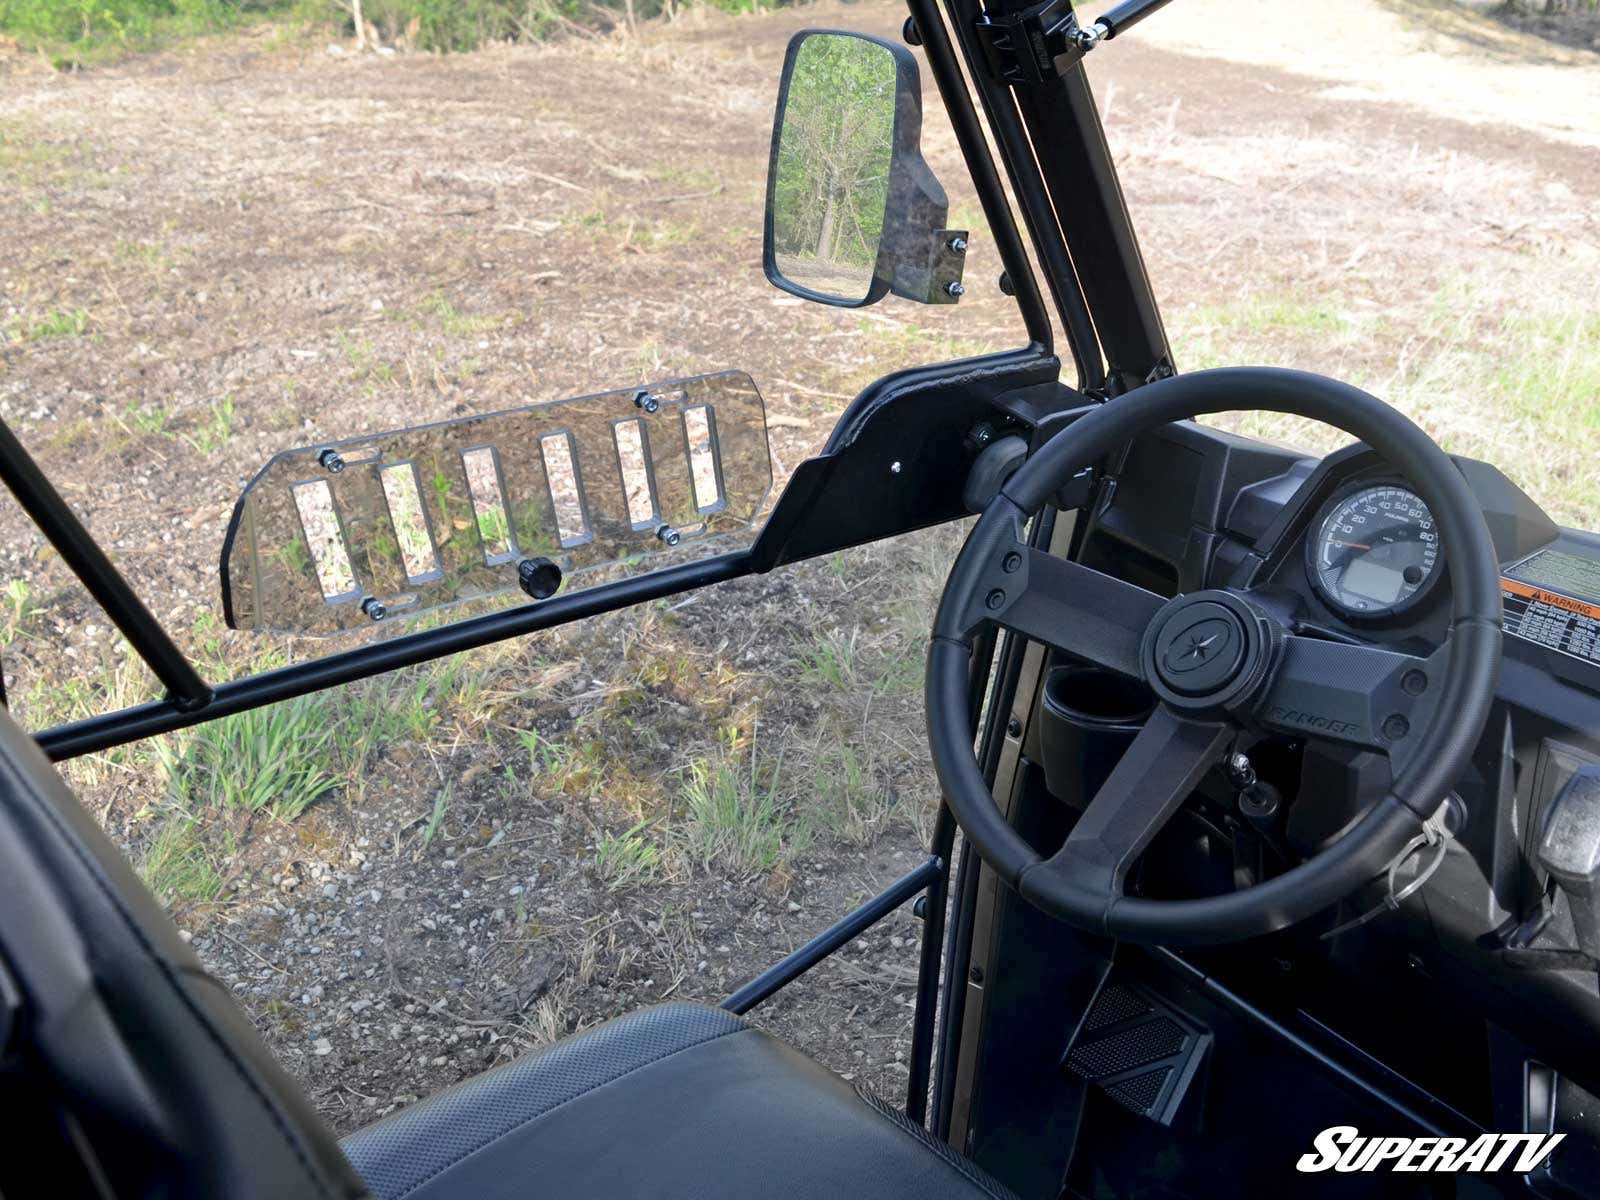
934	277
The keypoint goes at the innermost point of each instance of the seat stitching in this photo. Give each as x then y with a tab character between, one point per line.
539	1116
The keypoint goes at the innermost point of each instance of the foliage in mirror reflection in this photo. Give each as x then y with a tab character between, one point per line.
834	153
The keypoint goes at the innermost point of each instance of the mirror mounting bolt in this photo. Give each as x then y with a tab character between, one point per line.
958	245
330	460
374	608
954	288
669	535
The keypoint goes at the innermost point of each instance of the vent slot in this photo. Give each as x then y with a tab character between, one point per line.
324	533
566	489
402	492
705	471
486	485
638	484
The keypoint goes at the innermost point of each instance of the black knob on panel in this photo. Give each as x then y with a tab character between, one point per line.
539	577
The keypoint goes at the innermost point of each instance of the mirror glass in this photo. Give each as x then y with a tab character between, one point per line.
831	175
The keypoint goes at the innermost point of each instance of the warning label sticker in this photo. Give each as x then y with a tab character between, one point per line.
1568	619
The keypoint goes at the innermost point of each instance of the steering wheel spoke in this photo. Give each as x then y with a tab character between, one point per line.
1362	696
1157	773
1064	604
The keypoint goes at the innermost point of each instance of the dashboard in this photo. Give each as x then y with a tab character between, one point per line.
1341	547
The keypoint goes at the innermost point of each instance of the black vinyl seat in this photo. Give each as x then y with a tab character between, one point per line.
669	1103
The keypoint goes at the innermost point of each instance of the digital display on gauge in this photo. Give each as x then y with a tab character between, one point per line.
1373	551
1373	581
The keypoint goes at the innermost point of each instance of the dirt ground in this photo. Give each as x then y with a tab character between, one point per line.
215	253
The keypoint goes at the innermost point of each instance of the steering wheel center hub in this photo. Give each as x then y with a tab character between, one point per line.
1208	650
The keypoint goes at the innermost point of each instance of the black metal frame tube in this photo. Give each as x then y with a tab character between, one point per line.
932	952
1082	183
958	965
930	955
1037	211
79	550
1125	16
991	194
958	953
1056	150
844	930
285	683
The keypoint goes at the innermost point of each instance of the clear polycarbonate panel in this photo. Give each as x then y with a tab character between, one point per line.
415	519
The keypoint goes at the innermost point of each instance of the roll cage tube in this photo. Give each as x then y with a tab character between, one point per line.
1055	147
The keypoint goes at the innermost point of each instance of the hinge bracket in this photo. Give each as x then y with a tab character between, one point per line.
1033	46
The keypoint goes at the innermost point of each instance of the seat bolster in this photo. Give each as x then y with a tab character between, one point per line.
984	1184
401	1153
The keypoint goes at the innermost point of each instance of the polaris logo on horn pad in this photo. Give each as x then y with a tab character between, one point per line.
1343	1148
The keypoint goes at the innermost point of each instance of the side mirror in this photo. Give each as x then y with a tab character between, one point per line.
853	212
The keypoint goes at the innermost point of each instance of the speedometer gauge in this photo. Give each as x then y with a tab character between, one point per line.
1374	552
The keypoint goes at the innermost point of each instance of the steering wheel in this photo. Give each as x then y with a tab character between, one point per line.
1219	664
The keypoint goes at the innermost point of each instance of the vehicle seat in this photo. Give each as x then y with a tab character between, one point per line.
672	1102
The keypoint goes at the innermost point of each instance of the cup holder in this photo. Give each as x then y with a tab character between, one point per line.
1089	717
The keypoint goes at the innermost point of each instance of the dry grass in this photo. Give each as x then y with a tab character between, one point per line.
1515	384
1391	235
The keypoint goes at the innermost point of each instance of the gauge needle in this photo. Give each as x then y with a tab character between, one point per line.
1352	545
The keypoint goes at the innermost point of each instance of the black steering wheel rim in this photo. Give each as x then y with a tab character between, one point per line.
1459	682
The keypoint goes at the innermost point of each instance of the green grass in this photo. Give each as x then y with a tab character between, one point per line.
831	662
214	431
177	865
152	419
145	254
280	759
626	858
735	819
441	806
73	34
1511	379
18	610
76	33
57	323
453	321
853	804
20	151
